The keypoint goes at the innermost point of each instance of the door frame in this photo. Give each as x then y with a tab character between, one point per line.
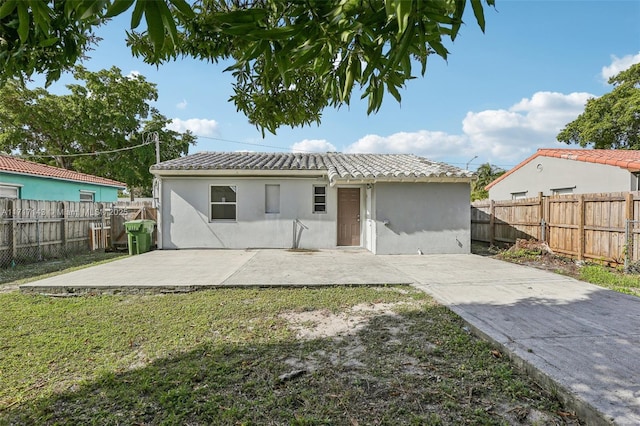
360	212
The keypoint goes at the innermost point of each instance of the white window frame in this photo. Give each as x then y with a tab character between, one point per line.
315	204
565	190
234	188
519	195
85	193
10	186
272	205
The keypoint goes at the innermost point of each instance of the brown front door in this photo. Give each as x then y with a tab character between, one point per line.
348	216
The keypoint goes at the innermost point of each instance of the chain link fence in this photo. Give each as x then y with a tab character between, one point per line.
632	246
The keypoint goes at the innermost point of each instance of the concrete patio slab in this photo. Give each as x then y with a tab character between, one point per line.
158	271
188	270
312	268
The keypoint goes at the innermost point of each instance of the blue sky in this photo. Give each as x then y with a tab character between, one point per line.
499	97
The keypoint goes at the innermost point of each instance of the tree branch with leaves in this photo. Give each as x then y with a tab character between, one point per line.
291	59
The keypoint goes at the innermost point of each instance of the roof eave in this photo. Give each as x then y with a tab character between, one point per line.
111	185
237	172
406	179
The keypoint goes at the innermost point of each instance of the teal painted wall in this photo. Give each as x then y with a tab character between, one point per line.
40	188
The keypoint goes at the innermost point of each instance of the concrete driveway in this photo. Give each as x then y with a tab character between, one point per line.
578	339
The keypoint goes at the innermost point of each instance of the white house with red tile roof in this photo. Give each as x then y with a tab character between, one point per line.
569	171
388	204
34	181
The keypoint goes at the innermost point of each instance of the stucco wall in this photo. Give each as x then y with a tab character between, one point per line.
186	224
561	173
432	217
37	188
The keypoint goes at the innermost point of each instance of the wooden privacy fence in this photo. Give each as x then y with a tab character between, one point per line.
34	230
604	227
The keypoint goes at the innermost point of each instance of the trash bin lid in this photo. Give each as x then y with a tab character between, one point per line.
140	225
133	226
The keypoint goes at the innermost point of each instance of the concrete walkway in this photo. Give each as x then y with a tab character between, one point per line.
577	338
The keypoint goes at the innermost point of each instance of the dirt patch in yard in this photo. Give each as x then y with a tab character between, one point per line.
535	254
385	350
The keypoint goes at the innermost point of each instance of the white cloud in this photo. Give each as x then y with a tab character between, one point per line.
198	126
618	65
133	74
433	145
182	105
500	136
313	145
512	134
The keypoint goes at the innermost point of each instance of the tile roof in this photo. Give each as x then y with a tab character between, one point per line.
338	166
10	164
626	159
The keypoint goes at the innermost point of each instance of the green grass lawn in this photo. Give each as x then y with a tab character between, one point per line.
219	356
611	279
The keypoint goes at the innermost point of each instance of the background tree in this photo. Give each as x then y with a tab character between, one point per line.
291	58
611	121
485	174
105	112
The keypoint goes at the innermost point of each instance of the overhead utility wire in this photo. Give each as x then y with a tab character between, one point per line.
199	137
84	154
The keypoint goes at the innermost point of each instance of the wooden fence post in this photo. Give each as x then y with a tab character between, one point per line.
63	224
14	229
629	216
492	222
581	239
546	211
103	226
542	235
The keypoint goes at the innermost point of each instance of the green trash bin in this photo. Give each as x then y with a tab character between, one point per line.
139	235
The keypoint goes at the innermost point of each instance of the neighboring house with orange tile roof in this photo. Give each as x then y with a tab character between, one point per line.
385	203
34	181
569	171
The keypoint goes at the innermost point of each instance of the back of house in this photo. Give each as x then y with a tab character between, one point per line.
386	203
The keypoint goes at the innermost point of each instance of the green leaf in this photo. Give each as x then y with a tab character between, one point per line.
25	20
155	26
136	15
7	8
478	12
41	16
118	7
244	16
183	7
403	12
439	48
49	42
457	17
168	21
91	8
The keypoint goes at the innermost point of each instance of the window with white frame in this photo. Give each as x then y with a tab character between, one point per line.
223	202
320	198
562	191
9	191
519	195
87	196
272	198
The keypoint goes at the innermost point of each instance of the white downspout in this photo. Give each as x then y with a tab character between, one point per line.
157	203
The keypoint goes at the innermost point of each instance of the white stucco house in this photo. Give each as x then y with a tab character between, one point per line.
388	204
569	171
